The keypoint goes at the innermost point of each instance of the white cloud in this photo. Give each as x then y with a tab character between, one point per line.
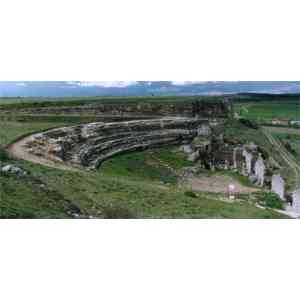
106	84
21	84
187	82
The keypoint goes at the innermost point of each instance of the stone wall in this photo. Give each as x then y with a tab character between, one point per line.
296	200
278	186
244	159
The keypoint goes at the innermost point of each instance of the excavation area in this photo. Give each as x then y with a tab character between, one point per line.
141	160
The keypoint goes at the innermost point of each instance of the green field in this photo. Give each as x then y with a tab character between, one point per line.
266	111
288	135
22	103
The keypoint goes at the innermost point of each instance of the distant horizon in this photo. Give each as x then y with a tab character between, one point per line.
165	95
25	89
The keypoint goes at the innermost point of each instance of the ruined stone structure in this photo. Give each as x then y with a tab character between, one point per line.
140	126
245	159
296	200
259	171
89	145
278	186
248	159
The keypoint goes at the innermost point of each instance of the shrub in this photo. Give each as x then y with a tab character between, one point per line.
264	153
116	212
248	123
3	155
289	148
270	200
190	194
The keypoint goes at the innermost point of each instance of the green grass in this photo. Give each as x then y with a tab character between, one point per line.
145	166
288	135
31	102
94	192
292	139
9	131
267	111
236	132
26	198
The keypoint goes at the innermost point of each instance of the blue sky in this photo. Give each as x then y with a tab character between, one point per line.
128	88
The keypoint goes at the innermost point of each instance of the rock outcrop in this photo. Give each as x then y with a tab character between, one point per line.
12	169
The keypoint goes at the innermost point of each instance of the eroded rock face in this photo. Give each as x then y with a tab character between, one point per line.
90	144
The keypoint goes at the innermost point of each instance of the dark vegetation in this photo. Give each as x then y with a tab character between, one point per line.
249	123
3	154
111	211
289	148
190	194
269	200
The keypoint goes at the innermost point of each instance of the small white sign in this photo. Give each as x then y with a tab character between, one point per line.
231	187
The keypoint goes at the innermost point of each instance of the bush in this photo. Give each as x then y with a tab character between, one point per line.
264	153
248	123
190	194
116	212
289	148
270	200
3	155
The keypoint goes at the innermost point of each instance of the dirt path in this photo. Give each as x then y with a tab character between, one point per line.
218	184
18	150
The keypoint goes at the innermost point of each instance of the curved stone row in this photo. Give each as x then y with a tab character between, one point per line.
90	144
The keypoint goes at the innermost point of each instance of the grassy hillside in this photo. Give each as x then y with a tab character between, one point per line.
128	186
56	193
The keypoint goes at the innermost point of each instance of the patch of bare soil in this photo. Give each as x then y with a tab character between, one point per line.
18	150
218	184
